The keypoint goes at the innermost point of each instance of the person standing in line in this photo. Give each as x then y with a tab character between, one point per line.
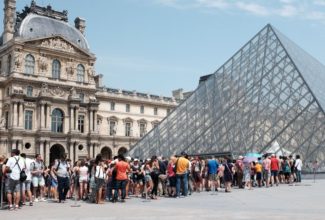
61	170
274	170
100	176
182	166
212	172
122	168
37	169
267	170
27	184
83	179
298	166
14	166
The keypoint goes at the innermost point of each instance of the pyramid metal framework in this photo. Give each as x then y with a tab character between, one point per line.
269	91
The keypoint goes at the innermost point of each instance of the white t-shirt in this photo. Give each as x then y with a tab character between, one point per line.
298	164
100	172
28	167
15	171
83	173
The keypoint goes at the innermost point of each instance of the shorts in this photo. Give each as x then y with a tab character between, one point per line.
197	177
38	181
99	183
26	185
12	185
274	173
213	177
147	178
172	181
258	176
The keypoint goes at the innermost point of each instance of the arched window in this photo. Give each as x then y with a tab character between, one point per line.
57	121
29	64
80	73
56	69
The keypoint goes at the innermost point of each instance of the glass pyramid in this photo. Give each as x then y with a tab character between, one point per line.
270	91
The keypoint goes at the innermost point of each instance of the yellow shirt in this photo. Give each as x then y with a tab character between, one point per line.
182	165
258	168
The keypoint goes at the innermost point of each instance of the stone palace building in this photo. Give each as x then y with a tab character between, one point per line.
51	98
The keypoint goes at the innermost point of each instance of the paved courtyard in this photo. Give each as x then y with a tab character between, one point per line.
303	201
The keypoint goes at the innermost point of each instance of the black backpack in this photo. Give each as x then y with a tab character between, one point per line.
23	175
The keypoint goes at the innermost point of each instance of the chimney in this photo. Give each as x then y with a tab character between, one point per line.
9	20
80	24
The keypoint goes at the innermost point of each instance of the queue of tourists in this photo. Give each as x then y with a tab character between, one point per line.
27	181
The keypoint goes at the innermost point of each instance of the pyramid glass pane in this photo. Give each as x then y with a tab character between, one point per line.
269	93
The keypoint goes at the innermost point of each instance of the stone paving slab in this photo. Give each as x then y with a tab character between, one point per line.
302	201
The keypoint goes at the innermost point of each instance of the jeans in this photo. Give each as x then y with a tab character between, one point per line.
298	176
63	187
120	184
184	179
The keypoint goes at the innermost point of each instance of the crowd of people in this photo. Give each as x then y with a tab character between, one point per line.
26	181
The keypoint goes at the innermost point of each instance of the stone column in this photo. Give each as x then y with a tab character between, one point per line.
91	120
47	153
41	149
14	120
48	126
70	150
21	115
76	152
95	122
76	119
42	116
71	119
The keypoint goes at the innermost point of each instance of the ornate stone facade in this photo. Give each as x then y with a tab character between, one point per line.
52	100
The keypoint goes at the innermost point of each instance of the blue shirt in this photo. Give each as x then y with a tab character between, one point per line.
212	166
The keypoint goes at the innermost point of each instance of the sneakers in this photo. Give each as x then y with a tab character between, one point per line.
43	200
36	200
30	204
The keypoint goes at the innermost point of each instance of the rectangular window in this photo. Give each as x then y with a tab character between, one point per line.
112	128
155	124
168	111
128	129
112	106
81	123
29	91
127	107
28	120
82	97
142	129
142	109
155	111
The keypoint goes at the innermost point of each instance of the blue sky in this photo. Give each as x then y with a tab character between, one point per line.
156	46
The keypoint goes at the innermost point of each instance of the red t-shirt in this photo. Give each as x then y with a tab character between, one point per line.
274	164
121	168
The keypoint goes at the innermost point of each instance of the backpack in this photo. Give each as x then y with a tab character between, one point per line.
22	175
286	167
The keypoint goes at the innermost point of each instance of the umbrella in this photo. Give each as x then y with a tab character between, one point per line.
257	155
249	159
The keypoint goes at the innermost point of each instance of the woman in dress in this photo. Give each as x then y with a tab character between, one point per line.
228	174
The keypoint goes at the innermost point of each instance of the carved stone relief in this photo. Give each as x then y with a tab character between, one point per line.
43	64
57	91
18	60
58	44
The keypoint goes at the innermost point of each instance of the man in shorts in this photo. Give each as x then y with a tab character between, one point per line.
212	171
14	166
27	183
37	169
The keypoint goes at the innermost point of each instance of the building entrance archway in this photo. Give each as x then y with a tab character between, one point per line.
56	151
106	153
122	151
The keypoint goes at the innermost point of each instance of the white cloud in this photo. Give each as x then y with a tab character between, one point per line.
253	8
220	4
300	10
287	11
